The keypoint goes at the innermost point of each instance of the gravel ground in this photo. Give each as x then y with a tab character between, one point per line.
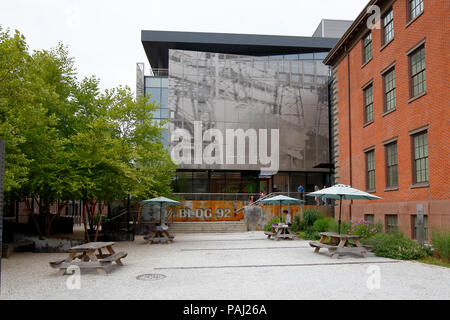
238	266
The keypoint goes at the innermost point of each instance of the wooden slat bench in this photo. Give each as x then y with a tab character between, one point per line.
269	234
88	259
317	244
344	246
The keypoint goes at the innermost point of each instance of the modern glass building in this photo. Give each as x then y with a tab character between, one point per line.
248	85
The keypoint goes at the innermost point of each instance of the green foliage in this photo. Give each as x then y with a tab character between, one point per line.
396	246
441	244
363	228
311	234
310	216
324	224
65	139
274	220
296	224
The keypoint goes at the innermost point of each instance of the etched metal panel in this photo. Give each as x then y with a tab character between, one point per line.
226	91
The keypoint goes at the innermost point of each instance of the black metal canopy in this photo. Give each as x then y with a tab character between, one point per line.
157	44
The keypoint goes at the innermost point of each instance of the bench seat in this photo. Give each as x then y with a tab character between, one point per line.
317	244
114	257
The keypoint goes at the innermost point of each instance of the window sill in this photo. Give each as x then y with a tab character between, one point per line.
365	63
367	123
387	112
417	97
391	189
371	191
411	21
420	185
386	44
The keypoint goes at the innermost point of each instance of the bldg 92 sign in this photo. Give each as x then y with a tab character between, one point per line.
213	210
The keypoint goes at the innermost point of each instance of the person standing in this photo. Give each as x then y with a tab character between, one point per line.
316	188
287	218
301	190
324	200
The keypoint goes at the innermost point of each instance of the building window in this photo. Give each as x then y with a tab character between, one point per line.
368	104
415	8
388	27
369	218
367	48
391	223
417	66
389	90
391	165
370	171
414	226
420	156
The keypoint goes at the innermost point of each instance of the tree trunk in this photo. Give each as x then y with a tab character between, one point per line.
99	221
85	222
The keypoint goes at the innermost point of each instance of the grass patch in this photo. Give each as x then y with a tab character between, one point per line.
435	261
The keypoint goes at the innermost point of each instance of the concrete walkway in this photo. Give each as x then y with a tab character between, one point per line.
228	266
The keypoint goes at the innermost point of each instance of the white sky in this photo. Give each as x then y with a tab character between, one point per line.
104	35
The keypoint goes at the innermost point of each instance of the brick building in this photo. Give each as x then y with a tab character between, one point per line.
390	110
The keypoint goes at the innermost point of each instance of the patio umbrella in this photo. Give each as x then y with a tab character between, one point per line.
280	199
341	191
162	202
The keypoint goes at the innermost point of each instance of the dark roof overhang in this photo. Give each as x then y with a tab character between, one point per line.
157	44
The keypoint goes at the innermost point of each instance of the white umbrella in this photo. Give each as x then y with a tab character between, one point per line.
341	191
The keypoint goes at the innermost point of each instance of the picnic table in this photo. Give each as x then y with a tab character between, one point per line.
160	234
339	244
84	257
280	231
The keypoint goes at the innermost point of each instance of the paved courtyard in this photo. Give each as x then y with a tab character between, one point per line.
228	266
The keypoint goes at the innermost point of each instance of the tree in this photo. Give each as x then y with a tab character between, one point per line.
68	140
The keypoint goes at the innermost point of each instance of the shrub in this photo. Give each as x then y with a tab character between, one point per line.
396	246
310	216
363	228
324	224
268	226
345	227
441	244
311	234
296	224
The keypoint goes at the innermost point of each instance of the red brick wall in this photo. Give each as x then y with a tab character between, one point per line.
432	109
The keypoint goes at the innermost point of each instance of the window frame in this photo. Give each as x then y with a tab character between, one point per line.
366	59
388	226
365	90
384	25
409	16
384	75
422	71
367	173
388	166
414	160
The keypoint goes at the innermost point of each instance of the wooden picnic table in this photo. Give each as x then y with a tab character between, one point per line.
280	232
84	257
339	244
159	235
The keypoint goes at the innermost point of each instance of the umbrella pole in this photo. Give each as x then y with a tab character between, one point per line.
340	210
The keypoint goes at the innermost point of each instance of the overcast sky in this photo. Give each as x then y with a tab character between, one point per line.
104	35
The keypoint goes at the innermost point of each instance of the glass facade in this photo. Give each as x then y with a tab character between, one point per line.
157	88
223	91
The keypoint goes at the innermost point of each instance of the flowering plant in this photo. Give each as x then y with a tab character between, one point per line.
362	228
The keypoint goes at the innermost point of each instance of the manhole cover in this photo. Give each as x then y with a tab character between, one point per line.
150	277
